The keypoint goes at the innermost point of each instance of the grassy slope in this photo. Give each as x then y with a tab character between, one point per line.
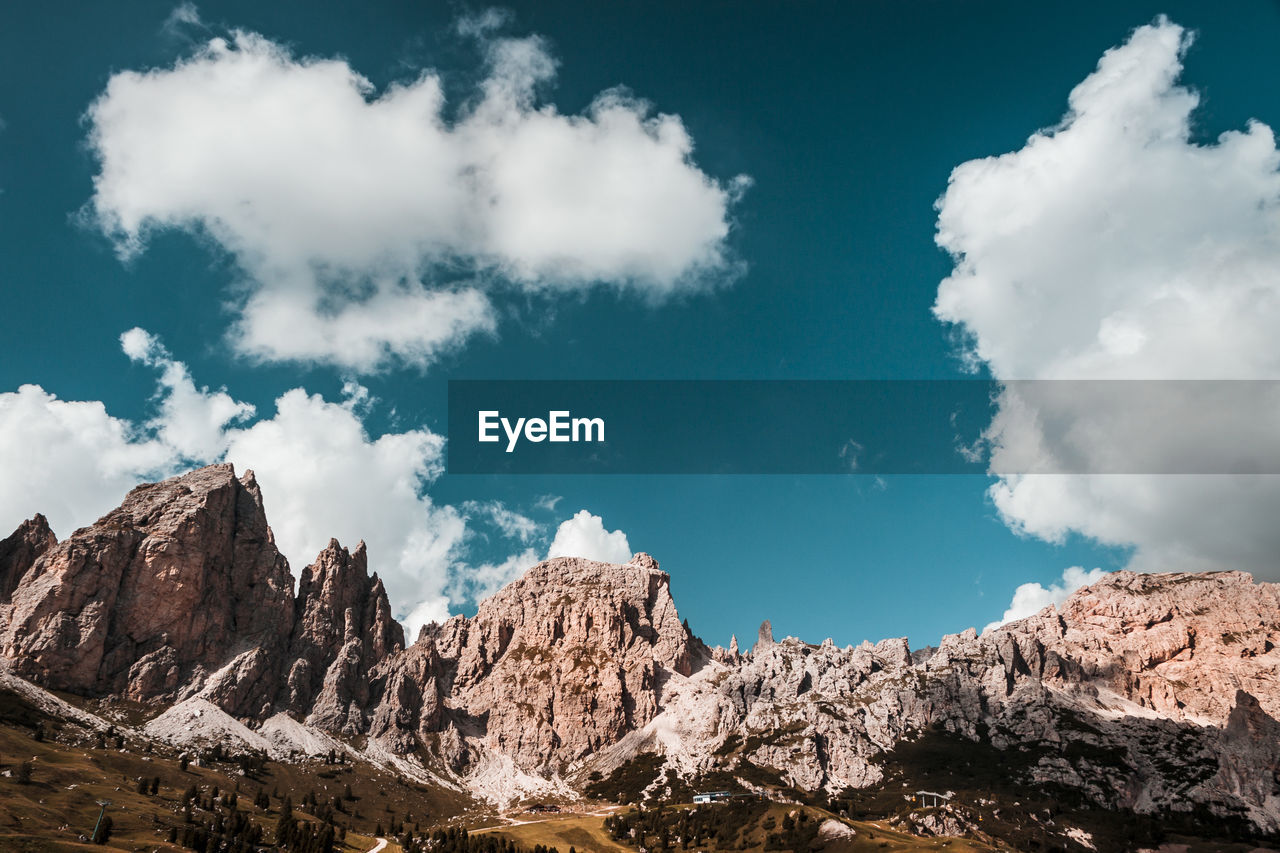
586	833
70	775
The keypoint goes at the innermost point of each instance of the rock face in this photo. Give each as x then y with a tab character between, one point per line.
343	628
1152	692
1144	691
19	553
565	660
764	637
179	581
411	692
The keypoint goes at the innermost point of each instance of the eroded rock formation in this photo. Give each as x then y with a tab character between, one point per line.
567	659
343	628
1150	692
19	552
181	580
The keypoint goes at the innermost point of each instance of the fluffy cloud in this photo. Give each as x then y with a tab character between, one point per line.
70	460
322	474
192	421
1030	598
584	535
1117	246
367	222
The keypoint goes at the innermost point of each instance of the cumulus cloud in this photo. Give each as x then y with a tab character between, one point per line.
192	421
373	225
70	460
584	535
1030	598
322	474
1116	245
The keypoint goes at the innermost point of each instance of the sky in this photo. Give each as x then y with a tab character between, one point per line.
271	233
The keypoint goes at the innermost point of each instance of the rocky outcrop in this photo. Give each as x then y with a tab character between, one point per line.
19	552
566	660
181	591
764	637
1180	645
150	602
1151	692
730	656
343	628
411	696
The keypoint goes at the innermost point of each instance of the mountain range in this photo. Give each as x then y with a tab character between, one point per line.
1143	694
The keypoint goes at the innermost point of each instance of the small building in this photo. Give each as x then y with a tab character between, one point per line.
712	797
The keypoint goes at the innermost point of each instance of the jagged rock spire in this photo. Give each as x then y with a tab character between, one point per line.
343	628
765	637
19	552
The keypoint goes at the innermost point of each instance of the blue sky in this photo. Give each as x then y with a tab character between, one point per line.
846	119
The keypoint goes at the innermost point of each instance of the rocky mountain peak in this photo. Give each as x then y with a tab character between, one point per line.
158	594
1159	684
19	552
567	658
343	627
1180	643
764	637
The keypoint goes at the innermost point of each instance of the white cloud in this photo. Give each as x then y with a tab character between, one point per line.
185	16
1030	598
478	582
484	22
192	421
509	523
321	473
548	502
486	579
367	222
584	535
70	460
1116	246
323	476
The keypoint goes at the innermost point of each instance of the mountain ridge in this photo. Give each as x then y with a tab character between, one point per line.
1152	693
